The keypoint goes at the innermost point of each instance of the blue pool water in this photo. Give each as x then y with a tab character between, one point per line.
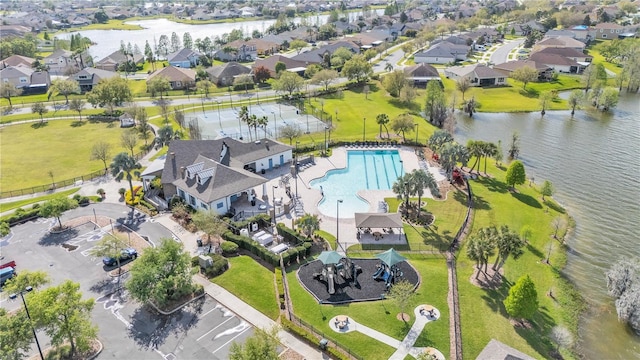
366	169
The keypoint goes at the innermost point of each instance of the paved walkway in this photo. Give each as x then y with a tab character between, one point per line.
404	347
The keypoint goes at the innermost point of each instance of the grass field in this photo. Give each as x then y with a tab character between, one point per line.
381	315
252	283
30	151
483	314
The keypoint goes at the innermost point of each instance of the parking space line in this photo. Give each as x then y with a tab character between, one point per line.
208	332
205	314
230	340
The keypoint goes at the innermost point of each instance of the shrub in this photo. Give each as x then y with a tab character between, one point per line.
121	191
228	248
35	206
20	215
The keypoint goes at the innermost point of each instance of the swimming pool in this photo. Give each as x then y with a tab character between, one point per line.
366	170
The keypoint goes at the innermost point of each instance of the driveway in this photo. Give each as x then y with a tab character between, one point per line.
501	54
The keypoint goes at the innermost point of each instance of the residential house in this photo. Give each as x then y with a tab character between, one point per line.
316	55
89	77
559	63
559	42
608	31
271	61
17	60
545	72
13	30
478	75
419	75
179	78
59	61
185	58
525	28
569	53
581	33
213	174
497	350
26	79
113	61
223	75
442	53
369	39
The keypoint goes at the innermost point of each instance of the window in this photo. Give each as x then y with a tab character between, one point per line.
604	36
192	200
181	193
178	83
219	205
204	206
500	79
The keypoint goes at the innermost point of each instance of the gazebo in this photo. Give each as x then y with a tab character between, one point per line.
379	228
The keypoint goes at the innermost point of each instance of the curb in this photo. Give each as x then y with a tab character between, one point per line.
179	307
99	350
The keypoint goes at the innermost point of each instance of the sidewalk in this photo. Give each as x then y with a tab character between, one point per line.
257	319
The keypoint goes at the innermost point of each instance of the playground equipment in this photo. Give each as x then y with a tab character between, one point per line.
388	270
336	265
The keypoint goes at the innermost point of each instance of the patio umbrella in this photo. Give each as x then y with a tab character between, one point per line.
391	257
330	257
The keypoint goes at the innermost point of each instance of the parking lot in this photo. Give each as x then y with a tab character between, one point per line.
201	330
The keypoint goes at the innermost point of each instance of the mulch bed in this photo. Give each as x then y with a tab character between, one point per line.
368	289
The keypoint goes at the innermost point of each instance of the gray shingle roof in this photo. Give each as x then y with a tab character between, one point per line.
495	350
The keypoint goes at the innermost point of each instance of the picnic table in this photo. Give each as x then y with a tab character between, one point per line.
342	321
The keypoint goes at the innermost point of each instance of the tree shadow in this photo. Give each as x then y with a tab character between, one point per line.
149	329
78	123
493	184
412	106
495	297
542	324
529	92
431	237
535	251
56	239
527	199
554	206
40	124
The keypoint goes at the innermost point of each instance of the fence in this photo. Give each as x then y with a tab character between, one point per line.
75	181
296	320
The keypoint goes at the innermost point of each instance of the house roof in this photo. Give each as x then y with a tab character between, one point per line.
560	41
552	59
95	74
566	52
271	61
421	70
608	26
517	64
15	60
495	350
229	69
315	56
117	57
212	180
240	153
174	74
481	71
444	49
59	53
182	55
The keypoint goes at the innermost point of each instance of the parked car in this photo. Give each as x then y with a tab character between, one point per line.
128	253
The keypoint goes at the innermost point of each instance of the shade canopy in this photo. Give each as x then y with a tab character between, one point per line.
391	257
378	220
330	257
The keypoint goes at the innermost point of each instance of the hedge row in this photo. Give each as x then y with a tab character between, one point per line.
253	247
291	236
21	215
220	265
263	220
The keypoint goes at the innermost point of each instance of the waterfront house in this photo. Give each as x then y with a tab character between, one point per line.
478	75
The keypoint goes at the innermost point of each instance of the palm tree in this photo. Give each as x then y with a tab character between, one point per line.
482	247
489	149
309	224
508	243
244	117
383	120
439	139
262	122
451	155
421	180
125	166
403	187
475	150
388	67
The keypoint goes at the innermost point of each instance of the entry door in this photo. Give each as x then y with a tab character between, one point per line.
281	159
270	164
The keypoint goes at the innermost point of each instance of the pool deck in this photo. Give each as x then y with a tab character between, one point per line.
311	197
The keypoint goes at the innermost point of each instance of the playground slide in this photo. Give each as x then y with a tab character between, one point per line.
330	283
377	274
386	275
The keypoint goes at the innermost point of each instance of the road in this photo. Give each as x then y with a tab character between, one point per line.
501	54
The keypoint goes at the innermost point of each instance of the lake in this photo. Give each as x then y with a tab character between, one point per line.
108	41
592	160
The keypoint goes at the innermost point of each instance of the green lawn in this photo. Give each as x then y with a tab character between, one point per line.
381	315
482	313
30	151
252	283
20	203
514	98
